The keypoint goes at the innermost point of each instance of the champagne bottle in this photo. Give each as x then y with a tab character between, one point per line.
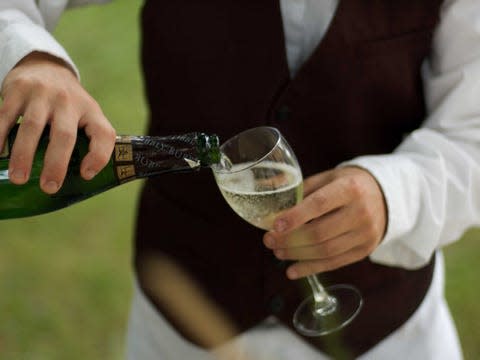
134	157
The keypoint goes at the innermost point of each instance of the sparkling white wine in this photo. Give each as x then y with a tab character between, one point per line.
261	193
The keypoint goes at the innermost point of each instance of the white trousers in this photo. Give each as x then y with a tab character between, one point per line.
428	335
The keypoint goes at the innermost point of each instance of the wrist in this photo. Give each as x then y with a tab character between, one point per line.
42	58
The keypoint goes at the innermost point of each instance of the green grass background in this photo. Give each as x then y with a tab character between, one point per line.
65	277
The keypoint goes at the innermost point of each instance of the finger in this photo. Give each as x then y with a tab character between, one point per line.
316	181
63	134
326	227
26	141
10	110
102	141
311	267
324	250
318	203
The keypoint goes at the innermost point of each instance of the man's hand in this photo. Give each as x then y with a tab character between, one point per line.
45	91
341	220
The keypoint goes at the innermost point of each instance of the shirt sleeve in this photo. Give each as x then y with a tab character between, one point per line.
431	182
24	28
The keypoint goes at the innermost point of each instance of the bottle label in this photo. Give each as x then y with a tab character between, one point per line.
123	159
123	152
146	156
125	173
6	150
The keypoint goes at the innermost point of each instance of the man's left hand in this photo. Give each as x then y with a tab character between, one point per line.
341	220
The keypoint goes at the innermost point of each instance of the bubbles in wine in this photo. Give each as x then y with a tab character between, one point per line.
258	194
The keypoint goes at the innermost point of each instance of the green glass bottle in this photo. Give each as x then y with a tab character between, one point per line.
134	157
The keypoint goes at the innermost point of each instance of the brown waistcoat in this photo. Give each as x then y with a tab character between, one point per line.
220	66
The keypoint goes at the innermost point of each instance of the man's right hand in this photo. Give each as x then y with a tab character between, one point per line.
44	90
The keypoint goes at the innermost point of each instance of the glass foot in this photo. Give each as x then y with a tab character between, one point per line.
317	322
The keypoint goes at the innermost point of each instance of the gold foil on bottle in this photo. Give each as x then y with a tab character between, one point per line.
6	150
125	172
123	152
124	139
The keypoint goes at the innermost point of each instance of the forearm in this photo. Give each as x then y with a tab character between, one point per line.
22	31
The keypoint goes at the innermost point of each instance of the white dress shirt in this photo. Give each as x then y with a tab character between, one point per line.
431	182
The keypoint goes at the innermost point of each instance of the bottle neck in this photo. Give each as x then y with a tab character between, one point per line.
147	156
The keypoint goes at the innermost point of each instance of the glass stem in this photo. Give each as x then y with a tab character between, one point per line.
324	304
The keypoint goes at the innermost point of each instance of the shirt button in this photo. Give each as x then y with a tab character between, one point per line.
283	113
276	304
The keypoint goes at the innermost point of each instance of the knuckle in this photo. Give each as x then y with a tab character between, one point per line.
62	96
318	234
26	84
66	135
318	199
101	158
354	185
39	87
102	129
32	124
328	249
90	104
110	133
20	83
365	212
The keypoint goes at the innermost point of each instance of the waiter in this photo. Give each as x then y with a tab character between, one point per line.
379	100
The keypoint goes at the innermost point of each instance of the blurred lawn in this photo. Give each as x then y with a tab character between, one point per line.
65	277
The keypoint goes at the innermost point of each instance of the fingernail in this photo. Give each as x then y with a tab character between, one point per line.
292	274
50	187
280	225
90	174
17	174
269	241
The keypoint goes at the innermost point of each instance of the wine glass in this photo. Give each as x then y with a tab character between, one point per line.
259	177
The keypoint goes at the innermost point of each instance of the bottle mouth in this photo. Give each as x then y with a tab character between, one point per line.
247	149
208	147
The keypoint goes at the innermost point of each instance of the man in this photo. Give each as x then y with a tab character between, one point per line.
341	80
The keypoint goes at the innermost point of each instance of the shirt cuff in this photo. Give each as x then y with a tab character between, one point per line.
20	37
399	180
